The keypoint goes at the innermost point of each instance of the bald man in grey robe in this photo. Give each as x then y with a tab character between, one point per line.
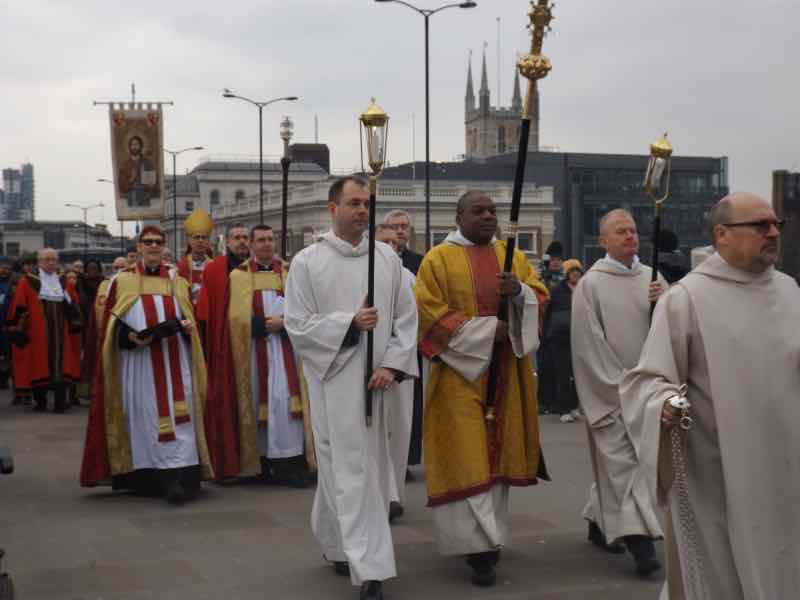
729	331
610	321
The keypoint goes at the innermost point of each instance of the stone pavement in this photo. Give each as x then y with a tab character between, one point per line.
251	542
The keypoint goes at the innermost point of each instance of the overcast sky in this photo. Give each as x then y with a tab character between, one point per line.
720	75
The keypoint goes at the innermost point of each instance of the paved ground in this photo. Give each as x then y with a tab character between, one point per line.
254	541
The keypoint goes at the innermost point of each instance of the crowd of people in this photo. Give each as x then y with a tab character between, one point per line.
245	365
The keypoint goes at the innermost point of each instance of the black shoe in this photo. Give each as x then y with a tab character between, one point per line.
395	510
40	406
341	567
482	563
371	590
175	494
599	539
644	554
297	480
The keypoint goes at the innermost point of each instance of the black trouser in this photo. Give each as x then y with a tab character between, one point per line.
547	383
566	396
284	468
59	392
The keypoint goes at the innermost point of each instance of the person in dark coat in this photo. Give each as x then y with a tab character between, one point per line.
556	336
552	275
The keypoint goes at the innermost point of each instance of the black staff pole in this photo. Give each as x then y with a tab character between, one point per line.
533	67
374	128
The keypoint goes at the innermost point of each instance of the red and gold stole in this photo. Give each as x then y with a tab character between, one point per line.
276	284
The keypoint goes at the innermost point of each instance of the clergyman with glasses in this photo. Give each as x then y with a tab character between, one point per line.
145	429
729	332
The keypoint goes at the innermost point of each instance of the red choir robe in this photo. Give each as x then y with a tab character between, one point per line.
221	414
91	341
27	327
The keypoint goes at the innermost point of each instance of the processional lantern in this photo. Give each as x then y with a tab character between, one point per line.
374	130
656	181
374	124
656	185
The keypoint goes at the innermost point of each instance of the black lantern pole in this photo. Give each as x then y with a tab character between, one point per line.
287	128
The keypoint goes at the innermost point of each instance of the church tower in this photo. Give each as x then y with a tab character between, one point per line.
489	130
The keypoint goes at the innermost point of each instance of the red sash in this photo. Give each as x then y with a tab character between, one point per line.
262	364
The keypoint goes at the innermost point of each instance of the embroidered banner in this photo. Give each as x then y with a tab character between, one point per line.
137	134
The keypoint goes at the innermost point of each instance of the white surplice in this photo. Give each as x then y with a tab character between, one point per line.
480	523
732	337
139	397
327	285
283	435
399	411
610	321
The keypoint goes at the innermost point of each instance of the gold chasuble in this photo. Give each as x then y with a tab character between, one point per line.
128	287
465	456
244	283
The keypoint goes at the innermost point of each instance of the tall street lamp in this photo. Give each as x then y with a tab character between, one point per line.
174	155
85	210
226	93
426	14
121	223
287	129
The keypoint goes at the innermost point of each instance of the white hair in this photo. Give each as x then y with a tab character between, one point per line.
396	213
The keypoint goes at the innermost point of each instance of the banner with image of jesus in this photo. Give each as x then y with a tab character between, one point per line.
138	160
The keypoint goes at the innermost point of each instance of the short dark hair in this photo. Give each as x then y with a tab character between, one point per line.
259	227
335	193
229	229
153	230
467	198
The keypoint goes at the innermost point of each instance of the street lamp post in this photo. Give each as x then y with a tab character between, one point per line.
85	210
174	154
226	93
121	223
427	14
287	128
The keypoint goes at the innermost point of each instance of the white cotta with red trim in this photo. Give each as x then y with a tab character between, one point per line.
139	398
283	436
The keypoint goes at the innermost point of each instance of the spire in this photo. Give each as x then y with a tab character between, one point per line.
516	101
470	97
484	92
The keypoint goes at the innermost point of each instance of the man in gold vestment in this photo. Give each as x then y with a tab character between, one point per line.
471	462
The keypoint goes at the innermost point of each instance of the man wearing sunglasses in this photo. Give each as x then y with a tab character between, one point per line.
728	331
145	429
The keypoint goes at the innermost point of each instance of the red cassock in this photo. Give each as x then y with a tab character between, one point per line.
221	411
27	330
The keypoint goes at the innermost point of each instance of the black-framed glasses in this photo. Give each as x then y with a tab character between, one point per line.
152	242
764	226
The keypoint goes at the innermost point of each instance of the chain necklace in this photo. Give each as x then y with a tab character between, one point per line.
691	568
